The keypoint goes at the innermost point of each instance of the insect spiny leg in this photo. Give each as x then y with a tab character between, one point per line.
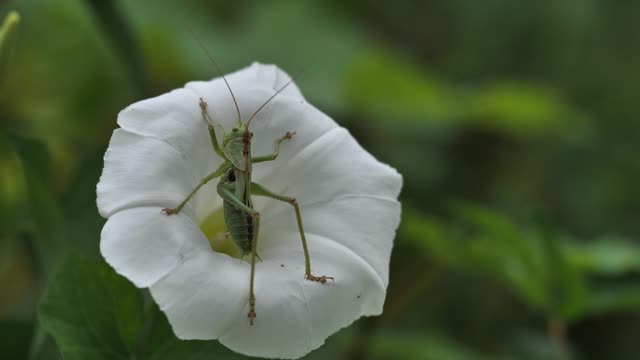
321	279
254	245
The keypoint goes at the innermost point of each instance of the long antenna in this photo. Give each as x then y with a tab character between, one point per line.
219	72
278	92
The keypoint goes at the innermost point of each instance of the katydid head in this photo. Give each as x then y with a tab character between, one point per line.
241	127
237	132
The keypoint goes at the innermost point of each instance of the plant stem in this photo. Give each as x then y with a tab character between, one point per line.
557	332
119	32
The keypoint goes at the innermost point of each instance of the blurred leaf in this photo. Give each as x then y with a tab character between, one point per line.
8	35
92	312
163	345
45	211
386	86
610	298
117	29
505	250
434	239
531	261
84	223
15	339
396	345
566	284
520	109
43	347
606	256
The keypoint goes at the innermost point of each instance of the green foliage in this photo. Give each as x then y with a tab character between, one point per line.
421	347
8	34
547	271
94	313
384	87
45	211
511	105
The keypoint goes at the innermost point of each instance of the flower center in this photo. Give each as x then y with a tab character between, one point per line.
215	229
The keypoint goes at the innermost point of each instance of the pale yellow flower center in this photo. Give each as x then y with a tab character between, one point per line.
214	228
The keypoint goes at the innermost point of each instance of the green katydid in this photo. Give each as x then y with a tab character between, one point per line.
236	188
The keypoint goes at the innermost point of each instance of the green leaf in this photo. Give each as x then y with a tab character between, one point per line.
384	86
395	345
607	256
566	284
434	239
84	223
92	312
43	347
614	298
507	251
15	338
45	210
7	41
163	345
522	109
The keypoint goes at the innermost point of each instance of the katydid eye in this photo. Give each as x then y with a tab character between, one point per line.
251	135
234	129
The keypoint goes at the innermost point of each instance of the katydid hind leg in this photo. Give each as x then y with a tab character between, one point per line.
252	296
259	190
227	195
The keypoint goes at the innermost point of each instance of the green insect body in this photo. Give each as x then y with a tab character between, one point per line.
236	188
239	222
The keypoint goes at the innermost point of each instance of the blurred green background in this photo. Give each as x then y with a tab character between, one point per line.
514	123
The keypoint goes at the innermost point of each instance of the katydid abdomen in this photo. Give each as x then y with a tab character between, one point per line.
239	223
240	226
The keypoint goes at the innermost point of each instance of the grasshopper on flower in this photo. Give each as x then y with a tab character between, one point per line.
236	188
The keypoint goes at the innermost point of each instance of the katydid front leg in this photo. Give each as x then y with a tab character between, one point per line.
259	190
220	171
210	128
276	148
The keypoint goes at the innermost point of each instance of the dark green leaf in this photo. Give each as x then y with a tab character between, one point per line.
84	223
45	211
8	34
566	284
393	345
607	256
162	344
15	338
92	312
614	298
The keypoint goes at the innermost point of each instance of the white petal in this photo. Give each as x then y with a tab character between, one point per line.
140	171
347	198
176	119
332	166
294	315
144	244
204	295
363	224
344	195
286	112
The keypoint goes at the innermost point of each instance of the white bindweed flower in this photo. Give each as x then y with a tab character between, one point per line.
347	198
